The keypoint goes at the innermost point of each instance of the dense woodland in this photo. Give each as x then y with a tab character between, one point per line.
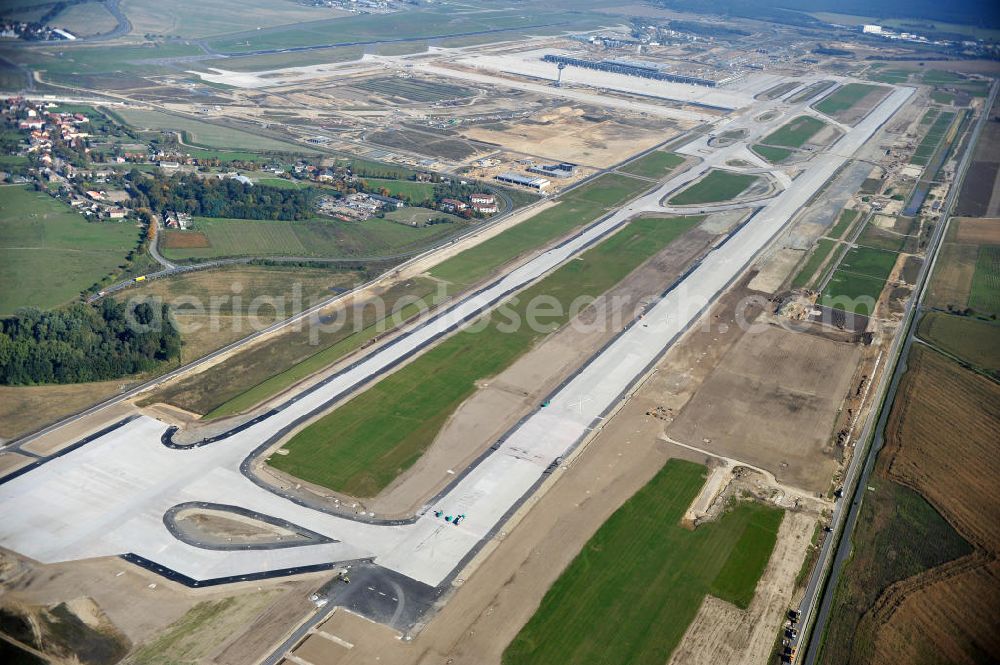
85	343
215	197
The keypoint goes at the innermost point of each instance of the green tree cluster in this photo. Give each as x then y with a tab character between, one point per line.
86	342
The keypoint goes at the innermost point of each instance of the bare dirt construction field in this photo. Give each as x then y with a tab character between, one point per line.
780	393
577	134
941	442
151	613
161	621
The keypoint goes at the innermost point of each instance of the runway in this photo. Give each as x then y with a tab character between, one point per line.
109	496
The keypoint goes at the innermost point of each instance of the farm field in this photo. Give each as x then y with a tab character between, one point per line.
86	19
820	253
967	261
985	293
384	430
657	164
405	25
219	237
576	209
38	233
192	18
772	154
264	370
795	133
974	341
715	187
859	277
928	529
649	573
851	102
206	134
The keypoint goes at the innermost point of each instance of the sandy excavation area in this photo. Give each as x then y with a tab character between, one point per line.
579	134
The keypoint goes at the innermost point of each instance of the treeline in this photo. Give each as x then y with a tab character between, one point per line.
220	197
85	343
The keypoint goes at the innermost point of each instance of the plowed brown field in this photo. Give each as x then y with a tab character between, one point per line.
945	427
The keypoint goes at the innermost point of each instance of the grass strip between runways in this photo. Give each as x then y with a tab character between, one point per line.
575	209
364	445
631	593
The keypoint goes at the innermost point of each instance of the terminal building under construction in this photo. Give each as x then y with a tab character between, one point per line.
647	70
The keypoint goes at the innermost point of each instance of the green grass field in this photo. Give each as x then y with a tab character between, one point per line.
985	295
49	253
630	594
975	341
281	183
925	150
941	97
361	447
795	133
206	134
322	237
844	222
193	18
576	208
819	255
416	191
845	98
860	276
895	76
773	154
657	164
889	239
715	187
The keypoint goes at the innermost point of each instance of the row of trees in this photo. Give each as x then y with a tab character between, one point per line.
214	197
86	343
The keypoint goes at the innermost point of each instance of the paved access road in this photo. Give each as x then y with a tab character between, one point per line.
109	496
